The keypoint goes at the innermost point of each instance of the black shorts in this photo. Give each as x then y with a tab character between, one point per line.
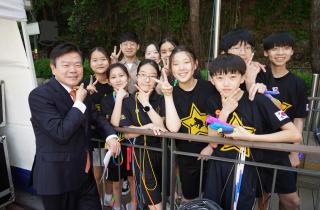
286	181
189	170
152	178
219	185
125	166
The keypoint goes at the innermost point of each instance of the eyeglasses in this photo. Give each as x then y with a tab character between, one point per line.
238	49
147	77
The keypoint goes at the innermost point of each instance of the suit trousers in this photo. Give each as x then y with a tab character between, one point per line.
84	198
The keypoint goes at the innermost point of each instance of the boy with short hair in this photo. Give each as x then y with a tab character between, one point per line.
242	43
129	45
278	47
256	120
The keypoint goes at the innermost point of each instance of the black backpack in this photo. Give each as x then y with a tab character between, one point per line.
200	204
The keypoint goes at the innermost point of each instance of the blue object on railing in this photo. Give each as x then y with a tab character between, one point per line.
271	92
221	128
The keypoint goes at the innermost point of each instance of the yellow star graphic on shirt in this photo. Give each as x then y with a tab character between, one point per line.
235	120
195	122
285	106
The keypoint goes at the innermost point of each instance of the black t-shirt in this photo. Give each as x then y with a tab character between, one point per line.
131	116
292	92
107	105
103	90
293	97
95	98
191	108
259	116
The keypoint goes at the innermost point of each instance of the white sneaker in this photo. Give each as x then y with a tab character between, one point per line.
167	206
130	206
118	208
107	200
125	187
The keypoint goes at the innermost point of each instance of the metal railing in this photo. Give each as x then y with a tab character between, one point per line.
305	149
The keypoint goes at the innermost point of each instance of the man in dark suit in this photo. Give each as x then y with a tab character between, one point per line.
60	115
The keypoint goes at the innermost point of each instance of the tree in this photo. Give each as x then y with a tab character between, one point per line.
194	26
315	38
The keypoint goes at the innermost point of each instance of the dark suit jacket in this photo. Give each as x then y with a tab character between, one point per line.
62	139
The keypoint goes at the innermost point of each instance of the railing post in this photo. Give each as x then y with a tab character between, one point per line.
201	177
140	176
315	81
317	207
275	171
164	172
234	182
120	183
172	173
103	187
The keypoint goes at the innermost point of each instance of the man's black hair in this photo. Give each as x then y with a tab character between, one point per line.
62	49
227	63
232	38
150	62
278	39
128	36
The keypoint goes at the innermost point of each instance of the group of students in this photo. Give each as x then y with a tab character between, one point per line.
163	93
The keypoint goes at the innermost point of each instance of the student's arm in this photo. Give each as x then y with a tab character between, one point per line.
173	122
116	113
155	128
143	98
294	158
229	104
288	134
208	150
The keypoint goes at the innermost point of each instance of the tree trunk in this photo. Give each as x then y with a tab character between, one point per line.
315	37
194	26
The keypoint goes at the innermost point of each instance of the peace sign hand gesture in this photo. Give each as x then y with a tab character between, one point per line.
166	88
165	67
114	55
91	88
254	67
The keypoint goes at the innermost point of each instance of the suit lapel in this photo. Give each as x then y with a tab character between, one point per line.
66	101
61	93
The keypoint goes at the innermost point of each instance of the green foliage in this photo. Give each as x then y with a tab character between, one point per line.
262	10
86	69
305	76
179	14
278	13
38	5
204	74
299	34
297	11
86	24
170	14
42	68
92	21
